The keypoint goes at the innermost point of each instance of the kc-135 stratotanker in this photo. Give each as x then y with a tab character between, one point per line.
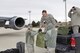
16	23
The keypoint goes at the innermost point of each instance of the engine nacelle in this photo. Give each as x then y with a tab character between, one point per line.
17	23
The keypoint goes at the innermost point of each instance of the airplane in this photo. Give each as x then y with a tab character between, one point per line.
16	23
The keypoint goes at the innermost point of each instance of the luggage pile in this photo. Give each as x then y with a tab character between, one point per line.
63	44
20	48
13	50
68	44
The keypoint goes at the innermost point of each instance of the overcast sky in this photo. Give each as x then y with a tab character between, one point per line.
21	8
